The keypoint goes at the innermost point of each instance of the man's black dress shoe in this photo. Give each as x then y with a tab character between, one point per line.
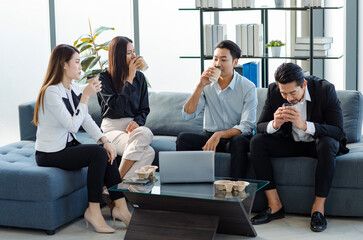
318	222
265	216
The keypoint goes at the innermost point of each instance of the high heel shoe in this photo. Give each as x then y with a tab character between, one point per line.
100	229
124	217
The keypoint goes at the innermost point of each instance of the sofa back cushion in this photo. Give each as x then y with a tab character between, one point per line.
165	117
352	106
165	114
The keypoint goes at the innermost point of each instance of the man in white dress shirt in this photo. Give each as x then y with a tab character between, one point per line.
229	106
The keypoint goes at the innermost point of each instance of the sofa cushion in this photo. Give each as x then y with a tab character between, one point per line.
21	178
300	171
165	116
352	105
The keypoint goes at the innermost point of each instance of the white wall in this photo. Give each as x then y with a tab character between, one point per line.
24	56
335	27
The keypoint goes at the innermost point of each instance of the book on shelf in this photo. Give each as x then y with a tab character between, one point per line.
213	34
250	3
317	40
243	3
244	38
313	3
251	71
258	40
249	37
306	53
250	43
306	46
208	46
241	38
209	3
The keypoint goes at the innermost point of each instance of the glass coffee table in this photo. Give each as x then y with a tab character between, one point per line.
188	210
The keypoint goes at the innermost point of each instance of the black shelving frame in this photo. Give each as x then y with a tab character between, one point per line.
264	21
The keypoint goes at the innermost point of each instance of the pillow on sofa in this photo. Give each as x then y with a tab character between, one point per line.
165	117
352	107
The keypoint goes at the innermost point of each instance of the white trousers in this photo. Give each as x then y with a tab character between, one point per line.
134	146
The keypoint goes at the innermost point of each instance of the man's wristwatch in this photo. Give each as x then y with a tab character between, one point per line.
106	141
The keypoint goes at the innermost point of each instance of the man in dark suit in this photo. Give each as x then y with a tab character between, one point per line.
301	117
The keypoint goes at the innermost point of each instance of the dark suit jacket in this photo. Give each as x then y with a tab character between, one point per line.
324	111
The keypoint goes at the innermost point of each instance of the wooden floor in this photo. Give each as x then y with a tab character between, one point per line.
291	227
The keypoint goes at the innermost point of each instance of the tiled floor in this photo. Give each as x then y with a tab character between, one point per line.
292	227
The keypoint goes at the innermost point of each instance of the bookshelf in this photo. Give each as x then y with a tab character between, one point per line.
264	20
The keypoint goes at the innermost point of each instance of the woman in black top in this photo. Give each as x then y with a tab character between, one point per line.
125	106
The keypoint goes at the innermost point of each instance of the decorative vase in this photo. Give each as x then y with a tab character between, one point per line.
275	51
279	3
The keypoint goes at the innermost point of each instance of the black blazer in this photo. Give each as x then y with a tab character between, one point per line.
324	111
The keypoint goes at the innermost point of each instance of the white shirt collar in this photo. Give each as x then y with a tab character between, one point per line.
231	85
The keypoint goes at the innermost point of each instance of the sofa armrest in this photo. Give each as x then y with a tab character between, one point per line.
27	128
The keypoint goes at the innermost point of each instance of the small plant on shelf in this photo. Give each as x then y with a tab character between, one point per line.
275	43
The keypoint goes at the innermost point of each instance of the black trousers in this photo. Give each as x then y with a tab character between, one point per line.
100	171
325	149
237	145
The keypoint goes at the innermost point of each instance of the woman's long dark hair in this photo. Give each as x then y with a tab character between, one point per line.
60	55
117	66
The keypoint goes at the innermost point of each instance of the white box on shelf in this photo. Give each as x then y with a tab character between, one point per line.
306	46
317	40
243	3
305	53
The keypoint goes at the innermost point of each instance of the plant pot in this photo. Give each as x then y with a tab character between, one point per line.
275	51
279	3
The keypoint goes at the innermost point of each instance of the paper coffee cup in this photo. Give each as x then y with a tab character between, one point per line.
215	76
143	67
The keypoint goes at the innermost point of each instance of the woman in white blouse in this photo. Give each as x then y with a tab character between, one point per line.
60	110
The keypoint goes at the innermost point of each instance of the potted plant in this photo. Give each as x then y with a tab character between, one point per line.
91	61
275	46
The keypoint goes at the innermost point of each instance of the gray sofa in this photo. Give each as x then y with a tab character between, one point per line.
46	198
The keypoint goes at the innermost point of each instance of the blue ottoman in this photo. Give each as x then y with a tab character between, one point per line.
38	197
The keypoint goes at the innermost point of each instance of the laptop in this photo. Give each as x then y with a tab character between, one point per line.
186	166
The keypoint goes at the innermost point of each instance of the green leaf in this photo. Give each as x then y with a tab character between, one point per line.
83	38
85	47
101	29
94	62
79	45
86	62
103	46
104	63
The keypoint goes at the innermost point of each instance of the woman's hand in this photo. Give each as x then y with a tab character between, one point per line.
111	151
133	66
132	125
91	89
